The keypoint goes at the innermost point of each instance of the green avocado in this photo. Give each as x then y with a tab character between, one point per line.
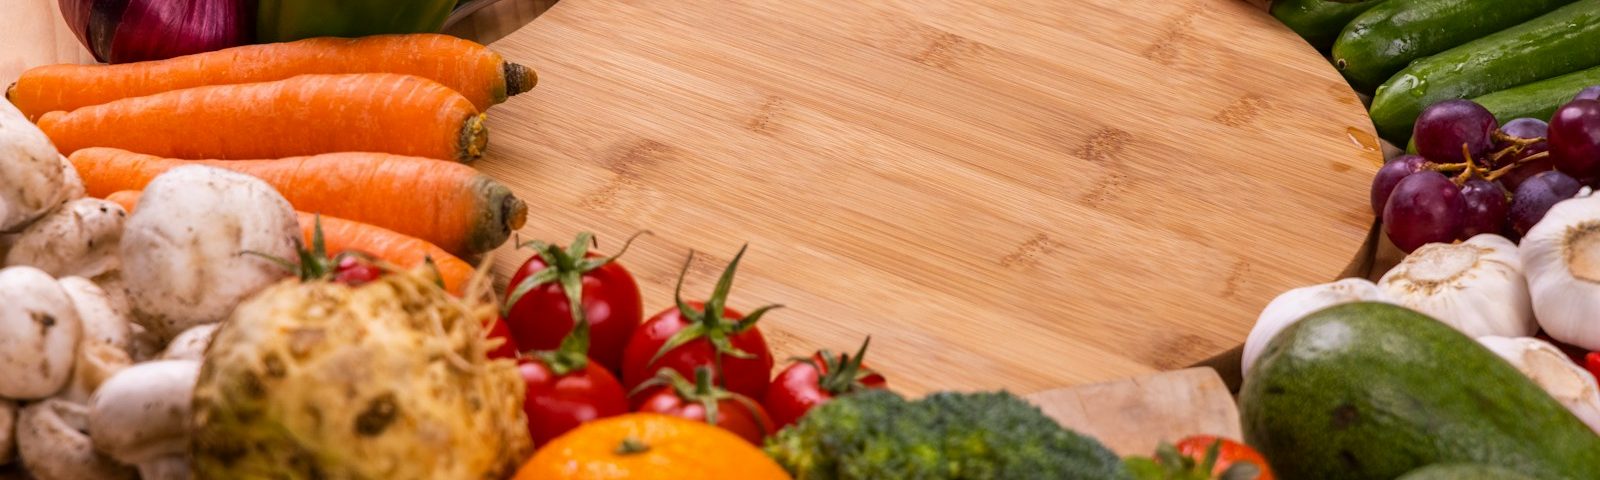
1373	391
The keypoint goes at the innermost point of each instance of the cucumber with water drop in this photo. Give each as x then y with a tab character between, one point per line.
1557	43
1381	41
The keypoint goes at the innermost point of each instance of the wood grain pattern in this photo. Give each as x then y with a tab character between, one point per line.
1133	416
1015	194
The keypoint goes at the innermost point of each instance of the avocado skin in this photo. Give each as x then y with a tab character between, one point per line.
1373	391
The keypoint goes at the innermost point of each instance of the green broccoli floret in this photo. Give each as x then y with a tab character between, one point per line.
877	434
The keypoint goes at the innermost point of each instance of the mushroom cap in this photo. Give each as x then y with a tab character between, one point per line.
39	332
31	173
142	412
191	344
183	251
103	320
79	238
53	446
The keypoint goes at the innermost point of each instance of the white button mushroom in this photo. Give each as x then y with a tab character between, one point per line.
141	417
71	184
103	320
39	334
8	431
53	446
191	344
79	238
1295	304
187	250
1476	286
31	177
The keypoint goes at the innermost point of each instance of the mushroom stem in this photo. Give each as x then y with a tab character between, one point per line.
51	440
141	414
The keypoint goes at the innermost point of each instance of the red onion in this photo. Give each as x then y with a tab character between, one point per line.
119	31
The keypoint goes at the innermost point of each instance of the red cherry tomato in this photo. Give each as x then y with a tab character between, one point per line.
735	413
610	297
558	403
1231	452
680	339
744	376
353	270
804	385
508	348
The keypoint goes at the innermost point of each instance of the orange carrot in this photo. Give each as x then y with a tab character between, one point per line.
449	204
127	198
340	235
304	115
469	68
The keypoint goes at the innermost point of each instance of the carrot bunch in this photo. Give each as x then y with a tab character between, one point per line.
367	133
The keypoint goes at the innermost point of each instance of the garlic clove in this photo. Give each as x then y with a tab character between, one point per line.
1562	257
1295	304
1476	286
1553	371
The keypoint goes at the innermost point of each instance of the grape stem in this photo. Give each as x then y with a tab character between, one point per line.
1470	169
1502	171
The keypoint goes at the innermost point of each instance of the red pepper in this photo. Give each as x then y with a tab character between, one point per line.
1592	363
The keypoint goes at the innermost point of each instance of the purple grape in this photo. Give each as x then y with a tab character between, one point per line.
1426	207
1536	195
1575	139
1390	175
1444	127
1523	128
1486	208
1591	93
1516	176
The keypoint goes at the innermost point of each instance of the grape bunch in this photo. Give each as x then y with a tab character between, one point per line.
1471	175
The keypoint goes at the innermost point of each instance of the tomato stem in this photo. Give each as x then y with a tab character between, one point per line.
566	267
709	322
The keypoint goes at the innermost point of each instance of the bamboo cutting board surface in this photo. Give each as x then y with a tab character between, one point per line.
1133	416
1021	194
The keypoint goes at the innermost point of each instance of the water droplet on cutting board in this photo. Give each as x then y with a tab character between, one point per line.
1362	139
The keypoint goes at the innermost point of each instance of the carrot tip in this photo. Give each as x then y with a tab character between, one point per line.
519	78
515	211
474	139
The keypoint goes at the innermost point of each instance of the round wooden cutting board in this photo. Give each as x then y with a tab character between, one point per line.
1017	194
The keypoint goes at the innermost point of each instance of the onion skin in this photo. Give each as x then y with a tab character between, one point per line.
121	31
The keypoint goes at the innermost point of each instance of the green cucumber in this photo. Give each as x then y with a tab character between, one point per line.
1538	99
1463	471
1373	391
1318	21
1381	41
1560	42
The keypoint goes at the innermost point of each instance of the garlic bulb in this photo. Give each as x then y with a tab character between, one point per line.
1476	286
1542	362
1562	256
1295	304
